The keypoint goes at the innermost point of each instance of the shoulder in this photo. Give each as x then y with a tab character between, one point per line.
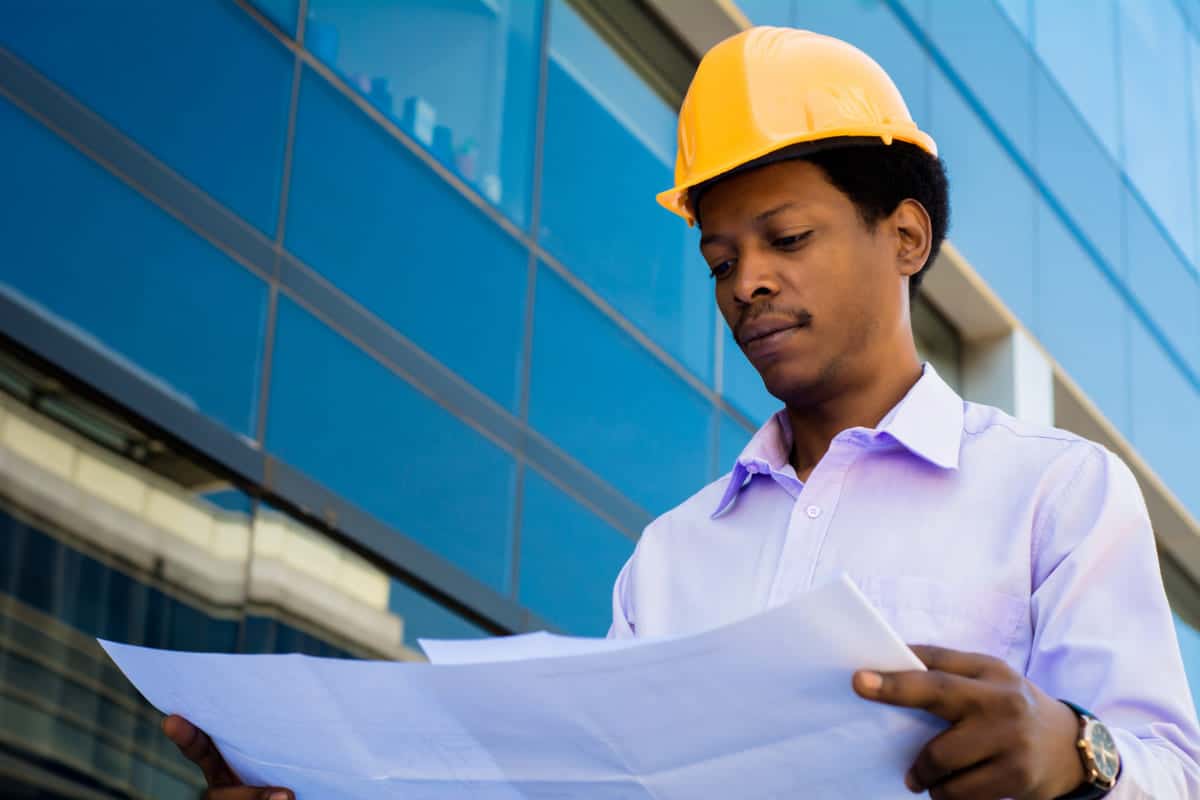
1073	475
1001	438
697	509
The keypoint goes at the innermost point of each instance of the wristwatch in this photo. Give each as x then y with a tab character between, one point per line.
1098	752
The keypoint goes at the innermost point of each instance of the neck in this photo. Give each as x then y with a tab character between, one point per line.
862	403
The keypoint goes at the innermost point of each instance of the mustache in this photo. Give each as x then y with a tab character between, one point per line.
753	312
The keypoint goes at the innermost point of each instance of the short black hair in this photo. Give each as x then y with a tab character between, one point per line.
877	178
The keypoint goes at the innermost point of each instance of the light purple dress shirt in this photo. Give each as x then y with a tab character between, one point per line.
968	529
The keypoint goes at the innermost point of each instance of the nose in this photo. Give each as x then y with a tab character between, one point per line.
755	279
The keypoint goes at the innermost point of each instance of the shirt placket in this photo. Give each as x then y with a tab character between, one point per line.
809	521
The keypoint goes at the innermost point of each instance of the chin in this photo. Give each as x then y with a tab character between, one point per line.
797	383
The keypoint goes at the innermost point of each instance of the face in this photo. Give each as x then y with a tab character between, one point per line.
816	298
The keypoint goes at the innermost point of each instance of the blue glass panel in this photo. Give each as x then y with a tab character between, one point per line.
1155	109
991	200
352	424
377	222
872	27
993	59
1081	319
768	12
1019	14
1078	171
1189	648
1194	62
599	216
460	76
282	12
200	85
1076	40
127	274
732	439
1167	287
742	385
1166	427
609	403
426	619
569	559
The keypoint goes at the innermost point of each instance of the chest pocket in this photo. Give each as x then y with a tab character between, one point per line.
962	617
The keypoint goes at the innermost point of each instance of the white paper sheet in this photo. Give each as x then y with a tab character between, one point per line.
540	644
759	709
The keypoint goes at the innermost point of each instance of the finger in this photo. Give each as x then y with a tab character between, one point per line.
249	793
199	749
948	696
987	781
957	662
960	748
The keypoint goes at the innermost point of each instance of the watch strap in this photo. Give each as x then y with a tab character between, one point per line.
1087	790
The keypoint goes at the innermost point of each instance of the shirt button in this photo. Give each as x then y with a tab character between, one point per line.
813	512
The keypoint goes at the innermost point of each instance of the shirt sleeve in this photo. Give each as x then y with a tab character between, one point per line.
622	603
1104	637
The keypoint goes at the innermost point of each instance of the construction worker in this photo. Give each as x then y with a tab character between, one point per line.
1018	560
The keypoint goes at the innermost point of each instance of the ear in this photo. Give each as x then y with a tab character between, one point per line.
913	234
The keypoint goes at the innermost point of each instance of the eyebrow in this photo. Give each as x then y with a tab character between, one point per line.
758	219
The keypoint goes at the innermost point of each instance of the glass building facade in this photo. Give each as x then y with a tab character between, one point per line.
386	281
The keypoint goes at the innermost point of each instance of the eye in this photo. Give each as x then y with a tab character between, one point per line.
790	242
722	270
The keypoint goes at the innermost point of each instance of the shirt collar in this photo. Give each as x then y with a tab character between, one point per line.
928	422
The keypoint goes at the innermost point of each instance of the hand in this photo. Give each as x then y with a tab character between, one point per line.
1007	738
223	784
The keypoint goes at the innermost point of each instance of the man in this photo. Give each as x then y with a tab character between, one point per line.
1018	559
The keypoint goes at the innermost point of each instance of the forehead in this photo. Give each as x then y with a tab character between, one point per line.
743	197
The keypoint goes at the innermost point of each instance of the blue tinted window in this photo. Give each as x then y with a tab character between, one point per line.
1076	41
1077	170
992	200
426	619
199	85
569	559
768	12
1082	319
992	58
282	12
604	399
1018	13
732	439
460	76
1166	427
378	223
599	216
145	287
743	386
1167	287
356	427
872	27
1154	105
1194	62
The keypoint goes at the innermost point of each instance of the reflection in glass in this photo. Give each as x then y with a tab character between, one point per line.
107	531
598	394
1154	104
459	76
609	148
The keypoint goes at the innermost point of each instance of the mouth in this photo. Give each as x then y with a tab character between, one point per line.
763	335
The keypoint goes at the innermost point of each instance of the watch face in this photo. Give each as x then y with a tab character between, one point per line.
1104	751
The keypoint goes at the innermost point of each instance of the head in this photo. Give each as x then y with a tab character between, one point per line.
815	258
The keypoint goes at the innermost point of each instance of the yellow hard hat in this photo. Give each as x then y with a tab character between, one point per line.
765	89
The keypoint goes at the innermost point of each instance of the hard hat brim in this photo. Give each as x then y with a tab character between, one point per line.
678	199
